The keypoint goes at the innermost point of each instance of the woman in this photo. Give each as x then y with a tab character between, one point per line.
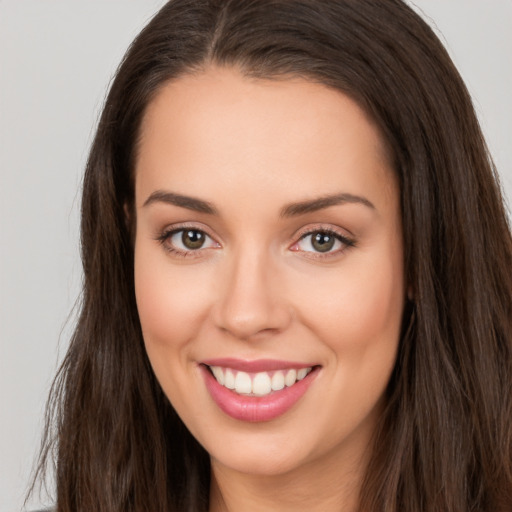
297	286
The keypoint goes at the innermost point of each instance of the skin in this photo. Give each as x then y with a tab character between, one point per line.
258	288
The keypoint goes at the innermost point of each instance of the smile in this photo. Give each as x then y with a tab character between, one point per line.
258	384
256	391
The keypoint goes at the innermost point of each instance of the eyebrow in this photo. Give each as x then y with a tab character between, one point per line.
290	210
191	203
313	205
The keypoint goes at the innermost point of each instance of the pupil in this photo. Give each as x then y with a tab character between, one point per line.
323	242
192	239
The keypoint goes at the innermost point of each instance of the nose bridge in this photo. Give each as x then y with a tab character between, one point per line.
251	301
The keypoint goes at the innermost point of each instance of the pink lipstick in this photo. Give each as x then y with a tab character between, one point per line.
256	391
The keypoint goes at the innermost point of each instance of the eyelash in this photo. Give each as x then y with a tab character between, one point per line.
346	242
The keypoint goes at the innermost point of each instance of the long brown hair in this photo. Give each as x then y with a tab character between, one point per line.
444	441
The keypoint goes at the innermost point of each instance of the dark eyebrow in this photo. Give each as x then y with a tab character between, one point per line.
313	205
191	203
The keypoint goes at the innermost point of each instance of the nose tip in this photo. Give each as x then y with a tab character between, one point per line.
252	302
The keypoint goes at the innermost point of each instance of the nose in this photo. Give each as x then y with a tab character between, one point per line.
252	300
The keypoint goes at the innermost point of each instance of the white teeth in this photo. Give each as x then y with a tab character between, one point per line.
243	383
302	373
278	381
290	378
257	384
219	374
229	379
261	385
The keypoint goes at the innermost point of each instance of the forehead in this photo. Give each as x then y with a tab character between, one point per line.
220	127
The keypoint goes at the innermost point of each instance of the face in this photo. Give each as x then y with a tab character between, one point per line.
268	267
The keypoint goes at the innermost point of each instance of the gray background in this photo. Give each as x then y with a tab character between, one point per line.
56	60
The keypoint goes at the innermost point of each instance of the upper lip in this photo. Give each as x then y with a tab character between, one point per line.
257	365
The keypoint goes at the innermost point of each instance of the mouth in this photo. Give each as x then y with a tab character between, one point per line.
248	392
260	383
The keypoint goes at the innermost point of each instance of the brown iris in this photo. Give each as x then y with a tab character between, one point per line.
322	242
192	239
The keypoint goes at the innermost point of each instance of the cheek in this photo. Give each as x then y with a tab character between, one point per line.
359	321
171	308
170	301
363	306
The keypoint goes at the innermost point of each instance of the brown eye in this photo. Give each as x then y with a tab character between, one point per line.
187	240
192	239
322	242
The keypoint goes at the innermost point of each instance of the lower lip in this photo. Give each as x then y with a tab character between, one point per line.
257	408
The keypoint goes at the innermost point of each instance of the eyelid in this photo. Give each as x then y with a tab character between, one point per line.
178	226
329	228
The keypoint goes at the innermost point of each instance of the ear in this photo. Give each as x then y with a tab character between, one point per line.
130	220
127	214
